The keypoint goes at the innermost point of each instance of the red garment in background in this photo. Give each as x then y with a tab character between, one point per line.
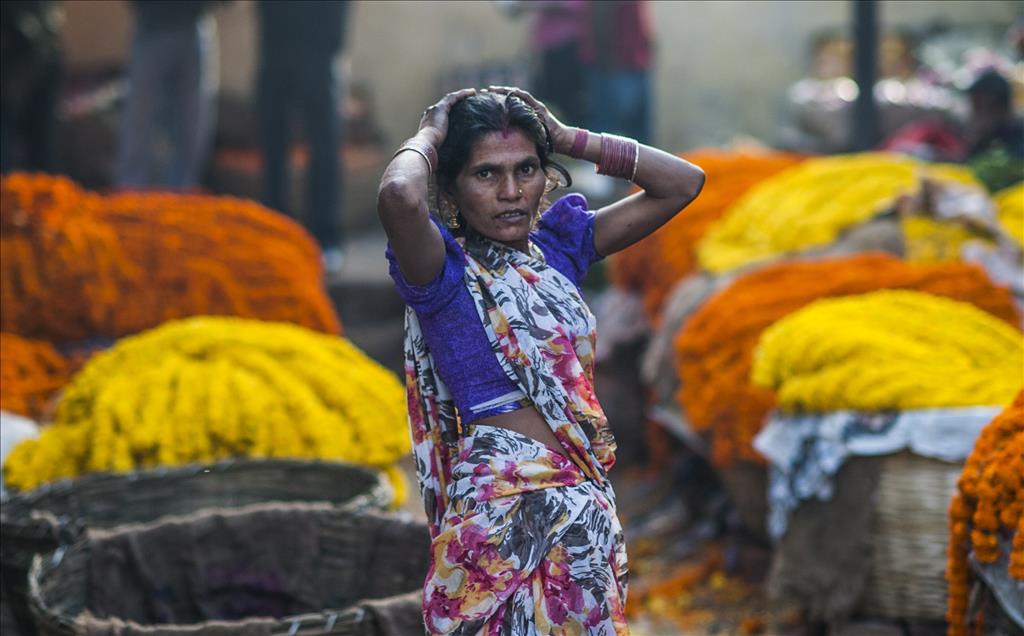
624	43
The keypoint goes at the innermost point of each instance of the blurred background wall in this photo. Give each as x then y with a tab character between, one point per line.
742	55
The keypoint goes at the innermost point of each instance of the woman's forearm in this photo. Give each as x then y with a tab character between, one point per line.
404	186
659	174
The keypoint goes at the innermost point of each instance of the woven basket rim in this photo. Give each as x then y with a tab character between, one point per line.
331	618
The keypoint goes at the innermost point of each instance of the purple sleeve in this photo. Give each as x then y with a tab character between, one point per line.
429	298
565	233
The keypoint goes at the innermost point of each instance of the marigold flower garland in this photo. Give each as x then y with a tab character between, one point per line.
889	350
715	348
77	265
1010	211
809	205
207	388
31	371
654	265
988	503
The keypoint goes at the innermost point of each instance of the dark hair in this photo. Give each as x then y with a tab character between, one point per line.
991	82
484	113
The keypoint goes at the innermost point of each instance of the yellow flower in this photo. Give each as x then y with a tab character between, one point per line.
1010	210
809	205
889	350
207	388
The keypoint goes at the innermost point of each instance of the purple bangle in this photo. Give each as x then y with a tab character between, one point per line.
579	144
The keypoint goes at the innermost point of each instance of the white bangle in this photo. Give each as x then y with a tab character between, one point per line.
636	160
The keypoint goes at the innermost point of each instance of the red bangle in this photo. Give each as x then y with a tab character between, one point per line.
579	144
619	156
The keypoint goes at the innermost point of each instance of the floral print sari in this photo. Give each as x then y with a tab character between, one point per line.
525	537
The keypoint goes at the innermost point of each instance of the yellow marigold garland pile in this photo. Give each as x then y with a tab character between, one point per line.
809	205
989	502
1010	211
654	265
31	371
931	241
208	388
715	349
77	265
889	350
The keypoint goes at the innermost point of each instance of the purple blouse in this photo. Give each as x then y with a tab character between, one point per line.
449	319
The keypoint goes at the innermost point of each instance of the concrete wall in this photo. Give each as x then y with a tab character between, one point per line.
722	66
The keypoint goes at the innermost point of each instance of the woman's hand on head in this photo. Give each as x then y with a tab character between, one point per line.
562	136
434	122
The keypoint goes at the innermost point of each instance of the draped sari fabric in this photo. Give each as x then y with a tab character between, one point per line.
525	537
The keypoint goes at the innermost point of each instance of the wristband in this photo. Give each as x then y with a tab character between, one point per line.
579	144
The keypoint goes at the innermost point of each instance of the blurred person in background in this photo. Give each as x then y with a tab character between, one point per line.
557	28
30	72
992	122
300	43
511	446
617	51
170	114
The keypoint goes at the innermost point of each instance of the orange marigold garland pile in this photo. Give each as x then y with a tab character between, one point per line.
77	265
989	502
61	271
30	372
653	266
220	256
715	349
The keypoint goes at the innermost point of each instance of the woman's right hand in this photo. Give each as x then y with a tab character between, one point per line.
434	123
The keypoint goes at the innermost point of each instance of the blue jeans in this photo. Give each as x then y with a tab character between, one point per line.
173	81
619	102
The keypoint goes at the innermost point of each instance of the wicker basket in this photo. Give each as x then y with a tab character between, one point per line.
909	538
37	521
214	572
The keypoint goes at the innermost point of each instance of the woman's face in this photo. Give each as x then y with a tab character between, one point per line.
500	187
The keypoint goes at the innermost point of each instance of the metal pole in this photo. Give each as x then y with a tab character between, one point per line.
865	133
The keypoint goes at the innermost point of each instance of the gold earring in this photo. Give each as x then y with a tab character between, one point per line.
450	214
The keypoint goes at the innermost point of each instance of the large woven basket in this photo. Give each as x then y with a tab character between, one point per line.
256	571
909	538
37	521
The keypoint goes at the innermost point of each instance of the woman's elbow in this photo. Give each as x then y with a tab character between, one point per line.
692	183
397	196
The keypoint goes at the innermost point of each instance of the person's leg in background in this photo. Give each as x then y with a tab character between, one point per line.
619	103
275	138
40	123
196	80
322	127
560	82
135	158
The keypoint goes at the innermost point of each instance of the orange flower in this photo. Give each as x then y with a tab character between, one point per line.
653	266
715	348
30	372
987	503
78	265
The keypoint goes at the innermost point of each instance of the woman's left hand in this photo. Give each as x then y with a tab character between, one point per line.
562	136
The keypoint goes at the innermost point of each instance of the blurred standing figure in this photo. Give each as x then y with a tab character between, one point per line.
30	60
299	44
174	77
992	121
557	29
617	52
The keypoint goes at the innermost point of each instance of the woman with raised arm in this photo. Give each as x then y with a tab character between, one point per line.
512	448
